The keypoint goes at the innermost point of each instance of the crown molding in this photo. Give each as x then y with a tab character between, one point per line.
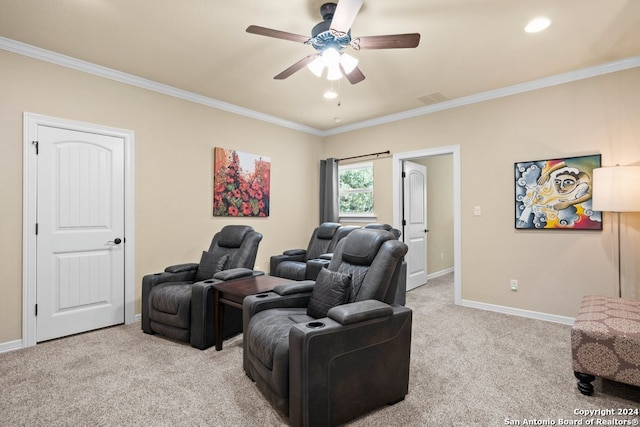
558	79
109	73
118	76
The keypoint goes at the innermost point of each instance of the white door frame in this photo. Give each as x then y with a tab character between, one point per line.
454	150
29	197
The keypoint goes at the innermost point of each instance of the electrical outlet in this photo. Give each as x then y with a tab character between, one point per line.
441	255
514	285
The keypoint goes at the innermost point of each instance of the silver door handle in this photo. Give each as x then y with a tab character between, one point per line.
117	241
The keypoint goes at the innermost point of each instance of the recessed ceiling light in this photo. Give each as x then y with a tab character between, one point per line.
537	24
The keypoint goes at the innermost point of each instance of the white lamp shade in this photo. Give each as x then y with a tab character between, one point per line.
316	66
616	189
334	73
331	58
348	62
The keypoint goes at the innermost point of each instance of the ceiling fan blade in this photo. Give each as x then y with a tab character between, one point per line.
394	41
355	76
262	31
345	14
296	67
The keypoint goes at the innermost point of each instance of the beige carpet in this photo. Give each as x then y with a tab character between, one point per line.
468	368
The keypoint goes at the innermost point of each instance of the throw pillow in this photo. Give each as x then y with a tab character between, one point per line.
209	265
331	289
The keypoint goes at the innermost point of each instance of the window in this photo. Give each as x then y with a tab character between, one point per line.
356	189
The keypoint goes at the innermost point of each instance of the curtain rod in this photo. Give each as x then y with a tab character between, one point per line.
366	155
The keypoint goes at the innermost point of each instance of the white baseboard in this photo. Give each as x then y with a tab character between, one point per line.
10	346
439	273
518	312
17	344
506	310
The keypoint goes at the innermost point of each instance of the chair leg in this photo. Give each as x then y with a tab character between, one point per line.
584	383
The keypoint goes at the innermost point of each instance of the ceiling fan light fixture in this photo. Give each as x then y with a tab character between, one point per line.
537	24
348	62
316	66
334	73
330	37
331	57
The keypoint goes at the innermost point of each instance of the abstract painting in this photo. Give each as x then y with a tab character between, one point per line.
556	194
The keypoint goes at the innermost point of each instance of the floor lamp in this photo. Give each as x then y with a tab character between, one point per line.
617	189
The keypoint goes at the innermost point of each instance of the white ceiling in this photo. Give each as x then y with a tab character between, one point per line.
467	47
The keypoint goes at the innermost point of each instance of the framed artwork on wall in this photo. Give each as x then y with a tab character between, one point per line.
241	184
556	194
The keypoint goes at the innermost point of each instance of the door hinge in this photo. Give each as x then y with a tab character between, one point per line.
36	228
36	309
404	222
404	175
35	144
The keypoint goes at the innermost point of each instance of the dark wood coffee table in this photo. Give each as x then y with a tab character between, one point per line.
233	292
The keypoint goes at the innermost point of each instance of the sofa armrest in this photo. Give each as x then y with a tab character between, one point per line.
294	288
180	268
313	268
202	334
295	252
233	273
360	311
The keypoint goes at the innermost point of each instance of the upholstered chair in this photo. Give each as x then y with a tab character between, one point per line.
178	303
387	227
328	351
401	293
292	264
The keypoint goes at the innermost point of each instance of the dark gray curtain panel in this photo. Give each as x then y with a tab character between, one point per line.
329	190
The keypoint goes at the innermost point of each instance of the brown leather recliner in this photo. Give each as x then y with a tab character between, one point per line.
328	351
178	303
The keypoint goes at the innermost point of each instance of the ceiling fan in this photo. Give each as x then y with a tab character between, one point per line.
332	36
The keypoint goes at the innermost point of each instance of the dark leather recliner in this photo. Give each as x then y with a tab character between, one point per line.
292	264
322	371
178	303
387	227
401	293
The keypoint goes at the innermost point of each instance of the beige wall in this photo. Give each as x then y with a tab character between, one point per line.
439	212
554	268
174	141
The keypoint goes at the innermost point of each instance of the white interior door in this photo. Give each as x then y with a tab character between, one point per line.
415	222
80	232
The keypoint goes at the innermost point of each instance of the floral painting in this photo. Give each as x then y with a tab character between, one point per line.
556	194
241	183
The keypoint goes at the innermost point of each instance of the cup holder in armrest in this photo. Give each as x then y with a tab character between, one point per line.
261	295
315	325
208	281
